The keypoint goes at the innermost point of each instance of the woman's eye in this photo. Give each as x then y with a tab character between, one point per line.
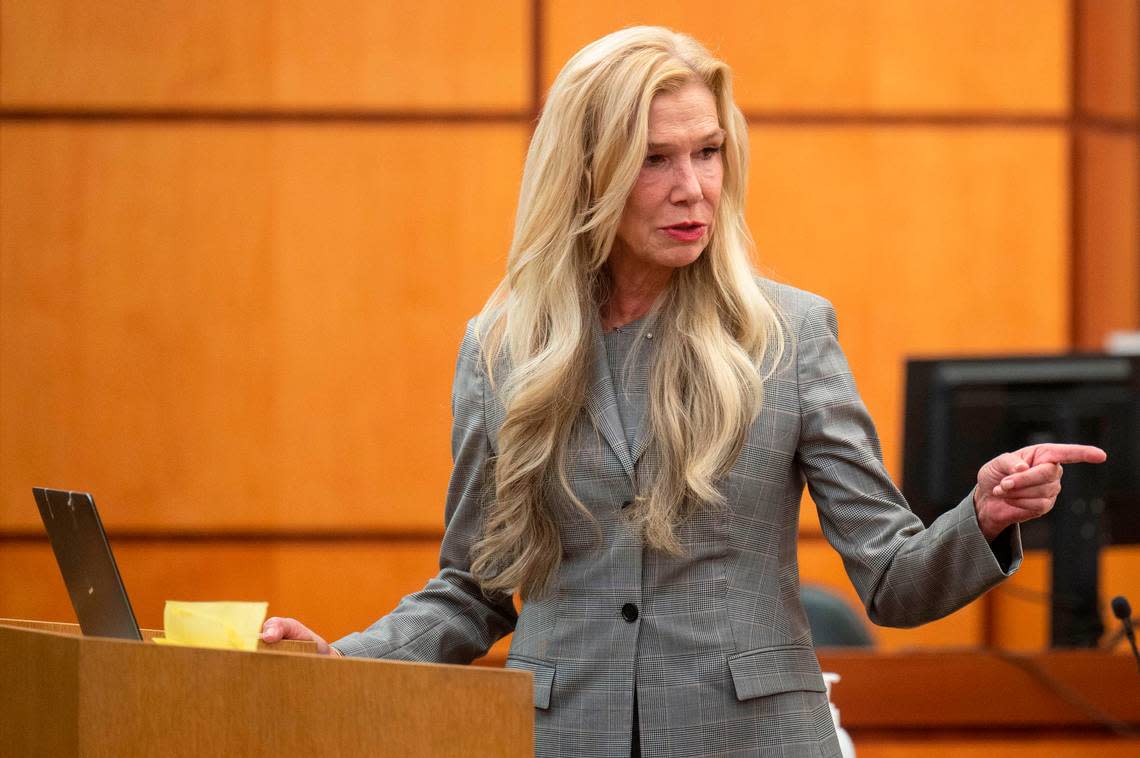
654	160
710	152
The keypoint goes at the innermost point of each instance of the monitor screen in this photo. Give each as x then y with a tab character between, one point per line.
962	412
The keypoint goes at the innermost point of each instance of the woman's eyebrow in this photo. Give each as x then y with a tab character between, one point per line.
713	135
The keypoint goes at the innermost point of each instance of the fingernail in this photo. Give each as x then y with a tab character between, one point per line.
997	490
1007	483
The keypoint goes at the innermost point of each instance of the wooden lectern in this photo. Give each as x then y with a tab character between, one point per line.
62	694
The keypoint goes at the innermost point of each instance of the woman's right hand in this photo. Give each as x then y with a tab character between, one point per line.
276	629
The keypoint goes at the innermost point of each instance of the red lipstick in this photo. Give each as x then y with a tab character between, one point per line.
686	231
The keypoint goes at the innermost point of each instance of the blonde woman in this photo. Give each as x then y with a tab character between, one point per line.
636	414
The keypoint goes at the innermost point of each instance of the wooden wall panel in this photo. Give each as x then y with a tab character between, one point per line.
1109	58
928	241
347	54
834	55
30	584
246	326
1107	275
335	587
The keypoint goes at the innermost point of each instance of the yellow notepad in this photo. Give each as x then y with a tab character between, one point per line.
234	626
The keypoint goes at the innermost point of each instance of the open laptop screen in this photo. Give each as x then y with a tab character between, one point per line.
87	565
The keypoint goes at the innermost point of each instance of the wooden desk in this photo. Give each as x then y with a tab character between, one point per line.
64	695
987	702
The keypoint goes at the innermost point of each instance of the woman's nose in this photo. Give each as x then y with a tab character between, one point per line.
686	184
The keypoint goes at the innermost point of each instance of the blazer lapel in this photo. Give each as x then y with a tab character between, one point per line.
638	400
641	442
601	403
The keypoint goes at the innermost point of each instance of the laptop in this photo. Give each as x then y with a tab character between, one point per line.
88	567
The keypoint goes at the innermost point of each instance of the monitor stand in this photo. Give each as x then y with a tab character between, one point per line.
1075	537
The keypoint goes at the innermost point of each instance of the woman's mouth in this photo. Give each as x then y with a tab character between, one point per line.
686	231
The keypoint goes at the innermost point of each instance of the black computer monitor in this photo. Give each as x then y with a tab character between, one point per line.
961	412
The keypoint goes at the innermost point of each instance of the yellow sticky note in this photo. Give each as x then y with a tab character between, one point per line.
234	626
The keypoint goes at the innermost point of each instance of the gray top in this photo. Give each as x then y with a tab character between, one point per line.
629	353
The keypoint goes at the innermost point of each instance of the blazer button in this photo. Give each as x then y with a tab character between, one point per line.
629	612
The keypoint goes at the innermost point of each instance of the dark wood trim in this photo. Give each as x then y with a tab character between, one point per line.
1110	125
1074	173
903	119
381	116
365	116
1135	132
207	115
196	535
537	50
271	535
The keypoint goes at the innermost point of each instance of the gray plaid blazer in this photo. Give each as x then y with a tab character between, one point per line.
716	642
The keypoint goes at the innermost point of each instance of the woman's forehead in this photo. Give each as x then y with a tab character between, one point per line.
689	113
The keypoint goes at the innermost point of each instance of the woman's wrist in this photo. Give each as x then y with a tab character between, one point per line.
989	529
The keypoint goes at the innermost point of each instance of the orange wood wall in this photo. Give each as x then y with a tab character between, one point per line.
1107	170
240	241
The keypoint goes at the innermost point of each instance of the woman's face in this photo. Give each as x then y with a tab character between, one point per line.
669	213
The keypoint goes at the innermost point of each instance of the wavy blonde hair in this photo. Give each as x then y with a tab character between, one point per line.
714	324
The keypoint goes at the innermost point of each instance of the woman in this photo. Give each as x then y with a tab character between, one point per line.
635	417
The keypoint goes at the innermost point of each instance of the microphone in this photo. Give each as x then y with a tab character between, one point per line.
1123	611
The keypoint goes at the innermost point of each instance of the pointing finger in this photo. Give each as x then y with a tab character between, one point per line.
1062	453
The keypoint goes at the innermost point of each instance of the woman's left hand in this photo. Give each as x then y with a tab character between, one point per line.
1020	486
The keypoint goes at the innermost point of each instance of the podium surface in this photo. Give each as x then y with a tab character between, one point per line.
68	695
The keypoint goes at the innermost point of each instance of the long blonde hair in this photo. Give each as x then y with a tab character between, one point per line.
714	327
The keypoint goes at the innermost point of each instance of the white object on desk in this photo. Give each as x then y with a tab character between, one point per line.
846	746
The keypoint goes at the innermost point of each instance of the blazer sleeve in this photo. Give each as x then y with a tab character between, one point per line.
450	620
905	574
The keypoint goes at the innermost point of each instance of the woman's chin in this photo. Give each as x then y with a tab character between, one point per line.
683	256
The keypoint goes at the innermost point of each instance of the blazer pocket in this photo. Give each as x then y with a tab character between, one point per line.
770	670
543	674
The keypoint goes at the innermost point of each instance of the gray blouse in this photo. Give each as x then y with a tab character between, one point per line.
629	352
